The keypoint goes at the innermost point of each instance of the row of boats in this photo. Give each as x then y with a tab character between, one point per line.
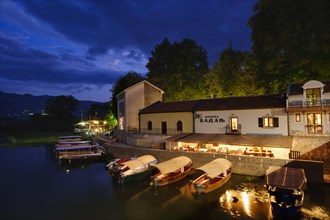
73	147
215	173
285	185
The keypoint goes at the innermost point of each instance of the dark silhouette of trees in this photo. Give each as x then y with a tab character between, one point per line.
60	108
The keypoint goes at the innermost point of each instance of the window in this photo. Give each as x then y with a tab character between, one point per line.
314	123
149	126
313	97
179	126
268	122
298	117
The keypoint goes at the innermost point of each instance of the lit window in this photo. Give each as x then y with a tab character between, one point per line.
268	122
297	117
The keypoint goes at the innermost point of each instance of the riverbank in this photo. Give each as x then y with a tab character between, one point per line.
29	138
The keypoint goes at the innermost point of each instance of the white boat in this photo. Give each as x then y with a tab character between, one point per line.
135	169
78	150
285	186
215	174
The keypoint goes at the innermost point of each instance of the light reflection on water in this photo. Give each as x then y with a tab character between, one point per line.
35	186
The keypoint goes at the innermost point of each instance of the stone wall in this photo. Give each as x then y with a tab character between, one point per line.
241	164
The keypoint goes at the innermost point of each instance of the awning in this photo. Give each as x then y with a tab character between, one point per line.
140	161
242	140
285	177
215	167
172	165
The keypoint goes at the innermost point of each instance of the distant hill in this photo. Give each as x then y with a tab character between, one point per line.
19	106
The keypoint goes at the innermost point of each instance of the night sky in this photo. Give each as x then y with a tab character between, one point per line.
81	47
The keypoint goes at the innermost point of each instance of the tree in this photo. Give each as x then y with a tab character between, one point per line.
178	69
291	41
98	111
60	108
236	73
131	78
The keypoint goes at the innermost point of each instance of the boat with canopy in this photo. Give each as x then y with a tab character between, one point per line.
215	174
171	171
285	186
134	169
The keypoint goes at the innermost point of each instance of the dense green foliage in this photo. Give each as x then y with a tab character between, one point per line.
291	41
178	69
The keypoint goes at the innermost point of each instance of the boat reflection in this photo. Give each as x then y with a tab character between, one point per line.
247	201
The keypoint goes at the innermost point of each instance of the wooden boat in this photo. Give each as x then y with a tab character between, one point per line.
68	138
285	186
134	169
216	173
171	171
78	150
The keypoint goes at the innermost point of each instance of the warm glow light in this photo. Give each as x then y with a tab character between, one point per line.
246	203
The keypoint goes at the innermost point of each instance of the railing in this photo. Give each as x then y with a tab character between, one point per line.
294	154
159	131
310	103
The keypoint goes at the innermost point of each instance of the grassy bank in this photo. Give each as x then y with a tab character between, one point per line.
30	138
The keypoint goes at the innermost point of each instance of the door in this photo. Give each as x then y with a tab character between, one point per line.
164	127
233	124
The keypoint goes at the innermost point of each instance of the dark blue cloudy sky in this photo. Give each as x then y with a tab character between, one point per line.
81	47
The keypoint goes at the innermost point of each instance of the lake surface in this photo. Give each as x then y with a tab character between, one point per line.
34	185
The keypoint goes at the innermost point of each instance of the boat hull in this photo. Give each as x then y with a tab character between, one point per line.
206	188
134	177
174	177
284	203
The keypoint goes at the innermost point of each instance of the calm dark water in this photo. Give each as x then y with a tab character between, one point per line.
33	185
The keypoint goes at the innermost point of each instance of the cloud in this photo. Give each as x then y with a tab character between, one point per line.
83	46
101	25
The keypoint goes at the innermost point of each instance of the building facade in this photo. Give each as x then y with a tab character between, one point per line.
308	108
251	115
131	100
168	118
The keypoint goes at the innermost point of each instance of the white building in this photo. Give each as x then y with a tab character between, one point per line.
308	108
250	115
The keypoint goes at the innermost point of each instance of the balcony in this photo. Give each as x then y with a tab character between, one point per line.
311	105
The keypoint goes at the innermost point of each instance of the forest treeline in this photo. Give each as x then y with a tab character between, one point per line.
290	43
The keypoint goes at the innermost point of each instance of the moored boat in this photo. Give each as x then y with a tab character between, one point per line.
69	138
135	169
171	171
216	173
285	186
78	150
111	165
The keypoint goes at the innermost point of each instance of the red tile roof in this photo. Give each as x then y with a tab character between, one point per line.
243	102
230	103
179	106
